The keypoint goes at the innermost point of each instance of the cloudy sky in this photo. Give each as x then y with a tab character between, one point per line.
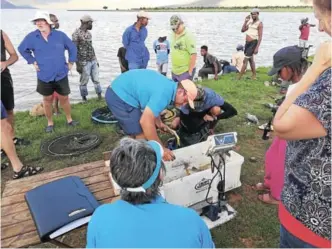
112	4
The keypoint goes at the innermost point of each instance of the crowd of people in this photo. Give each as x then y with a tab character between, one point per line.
297	164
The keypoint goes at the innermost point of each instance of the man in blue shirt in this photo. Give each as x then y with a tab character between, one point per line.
137	97
48	48
162	49
133	39
142	218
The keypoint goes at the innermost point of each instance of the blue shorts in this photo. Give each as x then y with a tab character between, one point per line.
127	115
3	112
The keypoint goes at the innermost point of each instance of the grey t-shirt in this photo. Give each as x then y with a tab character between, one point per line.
209	59
307	189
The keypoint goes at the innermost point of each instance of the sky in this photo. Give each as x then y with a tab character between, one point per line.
125	4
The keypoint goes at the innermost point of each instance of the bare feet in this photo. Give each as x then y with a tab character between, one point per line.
268	199
260	187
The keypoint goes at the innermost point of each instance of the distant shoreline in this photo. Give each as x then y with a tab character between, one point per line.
206	9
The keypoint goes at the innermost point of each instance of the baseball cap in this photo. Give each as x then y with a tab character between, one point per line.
42	15
175	21
239	47
284	57
86	18
143	14
255	10
191	91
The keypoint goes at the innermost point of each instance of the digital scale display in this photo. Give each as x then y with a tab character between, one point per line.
224	139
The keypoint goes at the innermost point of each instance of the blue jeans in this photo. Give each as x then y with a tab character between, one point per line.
230	69
287	240
90	70
135	65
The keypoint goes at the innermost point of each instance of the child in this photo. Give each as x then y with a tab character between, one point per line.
162	49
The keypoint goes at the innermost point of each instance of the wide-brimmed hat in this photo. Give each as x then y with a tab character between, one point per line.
42	15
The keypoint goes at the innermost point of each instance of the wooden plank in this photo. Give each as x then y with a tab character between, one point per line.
104	194
56	173
17	229
107	155
13	199
22	240
13	190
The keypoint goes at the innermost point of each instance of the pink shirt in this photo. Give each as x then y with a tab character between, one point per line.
305	32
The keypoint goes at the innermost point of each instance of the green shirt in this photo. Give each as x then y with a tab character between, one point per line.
182	48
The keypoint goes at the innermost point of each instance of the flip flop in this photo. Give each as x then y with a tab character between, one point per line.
260	187
268	199
27	171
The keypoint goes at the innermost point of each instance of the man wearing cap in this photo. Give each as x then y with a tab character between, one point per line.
48	47
211	64
237	61
254	34
142	218
133	39
305	31
183	50
137	98
87	65
162	48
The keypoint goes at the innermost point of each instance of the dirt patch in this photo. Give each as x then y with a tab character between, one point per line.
234	198
251	241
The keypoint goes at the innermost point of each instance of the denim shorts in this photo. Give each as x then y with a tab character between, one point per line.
127	115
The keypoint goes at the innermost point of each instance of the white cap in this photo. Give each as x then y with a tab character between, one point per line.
143	14
42	15
162	34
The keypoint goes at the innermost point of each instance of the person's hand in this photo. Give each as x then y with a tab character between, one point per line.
3	65
79	68
70	66
175	123
190	73
36	66
216	77
248	18
163	127
208	118
256	50
168	155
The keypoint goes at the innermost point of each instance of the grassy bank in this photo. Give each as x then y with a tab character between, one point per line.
211	9
256	224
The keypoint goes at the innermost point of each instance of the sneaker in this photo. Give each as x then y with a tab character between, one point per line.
73	123
20	141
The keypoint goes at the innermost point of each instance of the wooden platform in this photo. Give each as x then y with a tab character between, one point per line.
17	226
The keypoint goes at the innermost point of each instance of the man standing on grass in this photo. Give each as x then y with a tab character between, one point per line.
133	39
211	65
254	34
48	47
183	50
305	31
87	65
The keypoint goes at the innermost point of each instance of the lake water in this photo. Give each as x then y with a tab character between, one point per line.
219	31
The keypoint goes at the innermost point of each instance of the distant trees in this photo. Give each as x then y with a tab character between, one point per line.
105	7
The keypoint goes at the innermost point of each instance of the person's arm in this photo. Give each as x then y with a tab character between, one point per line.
72	49
205	235
25	49
260	37
228	111
321	62
301	26
245	24
215	70
126	38
191	47
11	51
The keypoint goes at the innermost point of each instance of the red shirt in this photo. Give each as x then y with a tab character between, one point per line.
305	32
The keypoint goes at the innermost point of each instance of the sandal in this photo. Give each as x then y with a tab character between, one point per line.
268	199
20	141
27	171
260	187
4	166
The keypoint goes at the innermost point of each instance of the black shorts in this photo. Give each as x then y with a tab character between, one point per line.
7	91
48	88
249	48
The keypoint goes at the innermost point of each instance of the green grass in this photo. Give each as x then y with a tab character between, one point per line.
256	224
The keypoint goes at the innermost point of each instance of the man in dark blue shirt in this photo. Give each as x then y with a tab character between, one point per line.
45	49
133	40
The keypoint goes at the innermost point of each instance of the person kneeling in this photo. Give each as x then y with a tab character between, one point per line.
195	125
142	218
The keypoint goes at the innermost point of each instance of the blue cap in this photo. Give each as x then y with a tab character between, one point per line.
285	57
